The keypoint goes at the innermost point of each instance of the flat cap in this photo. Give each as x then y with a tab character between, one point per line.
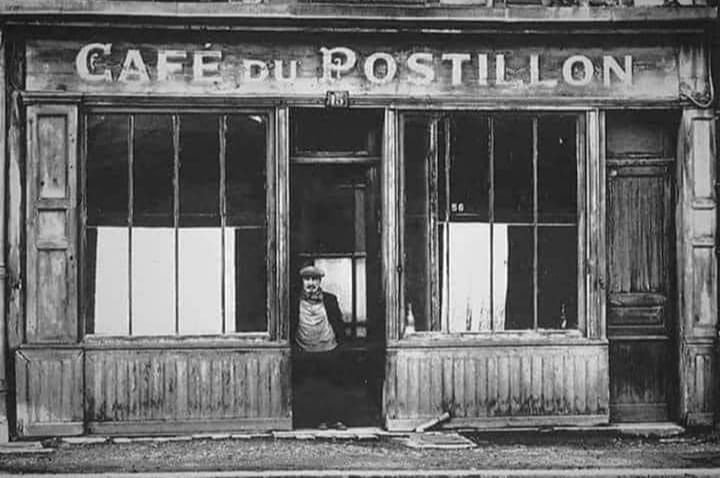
311	271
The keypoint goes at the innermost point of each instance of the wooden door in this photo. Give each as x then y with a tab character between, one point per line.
641	315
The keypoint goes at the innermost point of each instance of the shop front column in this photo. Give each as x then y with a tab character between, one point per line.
697	268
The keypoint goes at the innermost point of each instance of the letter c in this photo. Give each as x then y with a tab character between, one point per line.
84	57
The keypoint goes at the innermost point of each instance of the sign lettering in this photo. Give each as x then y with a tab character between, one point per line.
410	69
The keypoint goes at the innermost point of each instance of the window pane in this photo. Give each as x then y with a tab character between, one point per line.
153	171
557	166
557	277
416	261
199	171
246	153
470	183
108	287
107	170
513	169
469	279
153	280
513	269
199	280
245	280
336	131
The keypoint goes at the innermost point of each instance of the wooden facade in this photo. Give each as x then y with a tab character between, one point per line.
643	347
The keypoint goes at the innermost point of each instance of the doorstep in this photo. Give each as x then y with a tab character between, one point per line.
640	429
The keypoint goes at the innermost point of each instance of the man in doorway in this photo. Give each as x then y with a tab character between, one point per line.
318	328
319	323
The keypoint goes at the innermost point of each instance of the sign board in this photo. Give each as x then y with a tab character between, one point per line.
364	69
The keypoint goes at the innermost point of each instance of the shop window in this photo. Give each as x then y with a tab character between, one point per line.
490	222
175	235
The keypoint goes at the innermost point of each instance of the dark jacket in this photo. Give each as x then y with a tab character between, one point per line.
332	307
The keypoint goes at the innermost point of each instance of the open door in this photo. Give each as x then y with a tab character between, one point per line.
335	226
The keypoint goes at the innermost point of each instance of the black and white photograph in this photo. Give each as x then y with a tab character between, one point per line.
359	238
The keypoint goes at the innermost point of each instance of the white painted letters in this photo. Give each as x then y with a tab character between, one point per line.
86	59
421	63
206	72
336	61
586	72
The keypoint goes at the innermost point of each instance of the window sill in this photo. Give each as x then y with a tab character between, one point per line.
246	341
498	339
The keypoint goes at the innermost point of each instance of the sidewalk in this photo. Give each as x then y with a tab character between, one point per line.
365	453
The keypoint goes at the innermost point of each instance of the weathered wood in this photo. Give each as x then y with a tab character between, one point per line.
15	226
390	236
697	268
241	68
641	263
186	389
279	274
594	231
487	384
49	384
51	227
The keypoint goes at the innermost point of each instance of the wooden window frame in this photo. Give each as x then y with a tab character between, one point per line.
590	240
273	191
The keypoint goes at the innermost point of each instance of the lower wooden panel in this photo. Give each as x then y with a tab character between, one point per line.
49	384
497	385
700	372
170	390
642	374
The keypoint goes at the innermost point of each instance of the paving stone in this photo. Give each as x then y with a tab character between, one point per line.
87	440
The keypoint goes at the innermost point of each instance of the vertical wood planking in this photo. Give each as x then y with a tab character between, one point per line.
499	382
50	392
697	268
389	222
183	385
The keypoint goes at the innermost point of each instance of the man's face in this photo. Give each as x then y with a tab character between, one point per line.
311	284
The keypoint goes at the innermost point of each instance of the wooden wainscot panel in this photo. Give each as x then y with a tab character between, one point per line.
295	66
168	391
701	385
49	385
499	385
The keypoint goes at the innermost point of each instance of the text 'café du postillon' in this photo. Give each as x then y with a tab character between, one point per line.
419	68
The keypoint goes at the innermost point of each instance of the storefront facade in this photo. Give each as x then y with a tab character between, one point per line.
519	221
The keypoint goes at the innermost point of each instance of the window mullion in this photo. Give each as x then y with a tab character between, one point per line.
130	213
222	129
535	219
491	216
176	214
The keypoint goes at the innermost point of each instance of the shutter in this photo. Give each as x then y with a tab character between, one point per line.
51	224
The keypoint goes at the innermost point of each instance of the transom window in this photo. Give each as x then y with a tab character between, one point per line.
175	223
490	221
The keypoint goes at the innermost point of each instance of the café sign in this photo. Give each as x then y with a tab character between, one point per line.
363	70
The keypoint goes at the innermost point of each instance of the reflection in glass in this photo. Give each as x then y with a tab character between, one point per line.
106	273
199	280
199	171
245	272
153	171
519	267
557	176
470	175
416	143
246	153
107	170
557	277
513	167
153	280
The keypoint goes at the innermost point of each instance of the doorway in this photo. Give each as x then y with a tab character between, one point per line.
335	211
642	317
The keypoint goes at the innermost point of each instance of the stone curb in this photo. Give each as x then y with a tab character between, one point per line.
596	473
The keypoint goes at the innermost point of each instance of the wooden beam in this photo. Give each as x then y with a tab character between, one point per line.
232	11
